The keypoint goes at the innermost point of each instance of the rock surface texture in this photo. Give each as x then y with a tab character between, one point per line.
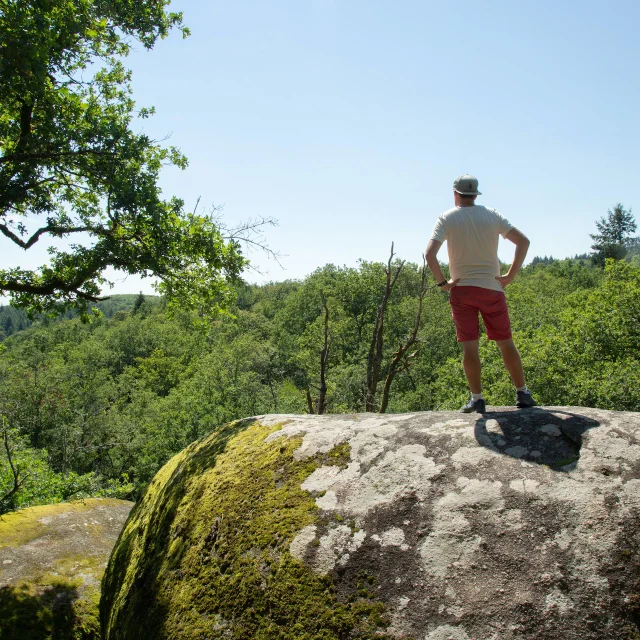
434	526
51	562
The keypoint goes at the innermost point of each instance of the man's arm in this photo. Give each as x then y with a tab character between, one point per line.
522	246
432	260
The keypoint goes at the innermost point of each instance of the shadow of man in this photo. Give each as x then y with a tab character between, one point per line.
551	437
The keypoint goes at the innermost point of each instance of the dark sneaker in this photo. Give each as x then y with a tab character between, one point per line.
474	406
524	399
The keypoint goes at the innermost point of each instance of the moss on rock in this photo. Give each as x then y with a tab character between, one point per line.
23	526
50	607
52	558
205	553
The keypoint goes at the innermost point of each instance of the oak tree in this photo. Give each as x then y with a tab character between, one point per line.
72	167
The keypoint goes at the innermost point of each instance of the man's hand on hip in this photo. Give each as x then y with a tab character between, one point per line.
450	284
505	280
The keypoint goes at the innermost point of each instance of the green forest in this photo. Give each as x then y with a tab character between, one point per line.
299	113
95	408
98	394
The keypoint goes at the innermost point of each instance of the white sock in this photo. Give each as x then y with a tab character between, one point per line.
523	389
476	396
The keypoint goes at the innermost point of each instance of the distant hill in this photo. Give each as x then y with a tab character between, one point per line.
13	320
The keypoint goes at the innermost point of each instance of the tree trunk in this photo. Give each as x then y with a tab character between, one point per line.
374	358
324	357
18	481
309	403
400	355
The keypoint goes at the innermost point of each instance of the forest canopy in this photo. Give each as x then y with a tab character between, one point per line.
96	409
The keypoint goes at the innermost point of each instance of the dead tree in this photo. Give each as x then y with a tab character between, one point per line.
374	358
19	478
321	403
324	358
401	361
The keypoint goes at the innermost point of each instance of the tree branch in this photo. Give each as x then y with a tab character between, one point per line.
26	115
56	284
52	229
374	358
53	155
249	233
324	358
15	470
400	355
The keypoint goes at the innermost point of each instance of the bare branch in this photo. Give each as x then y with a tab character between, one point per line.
400	356
374	358
18	482
249	233
250	226
324	358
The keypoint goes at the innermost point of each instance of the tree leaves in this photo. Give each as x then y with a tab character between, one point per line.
71	162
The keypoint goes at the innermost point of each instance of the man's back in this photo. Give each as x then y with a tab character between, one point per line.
472	242
471	232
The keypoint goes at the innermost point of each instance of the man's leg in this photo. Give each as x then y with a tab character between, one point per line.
465	316
471	364
512	361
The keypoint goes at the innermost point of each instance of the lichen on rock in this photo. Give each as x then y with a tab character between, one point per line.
206	552
515	525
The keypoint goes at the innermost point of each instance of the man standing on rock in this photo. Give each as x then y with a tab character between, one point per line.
476	286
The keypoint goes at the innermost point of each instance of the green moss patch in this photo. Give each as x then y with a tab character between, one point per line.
52	559
31	612
54	605
205	552
339	456
20	527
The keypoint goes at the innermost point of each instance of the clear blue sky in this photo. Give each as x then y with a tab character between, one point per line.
348	120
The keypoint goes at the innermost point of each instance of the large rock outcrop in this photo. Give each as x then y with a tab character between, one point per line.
52	559
433	526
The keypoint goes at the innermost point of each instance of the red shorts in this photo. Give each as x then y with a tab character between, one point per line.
466	302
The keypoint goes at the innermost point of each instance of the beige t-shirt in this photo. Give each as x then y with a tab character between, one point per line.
472	241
